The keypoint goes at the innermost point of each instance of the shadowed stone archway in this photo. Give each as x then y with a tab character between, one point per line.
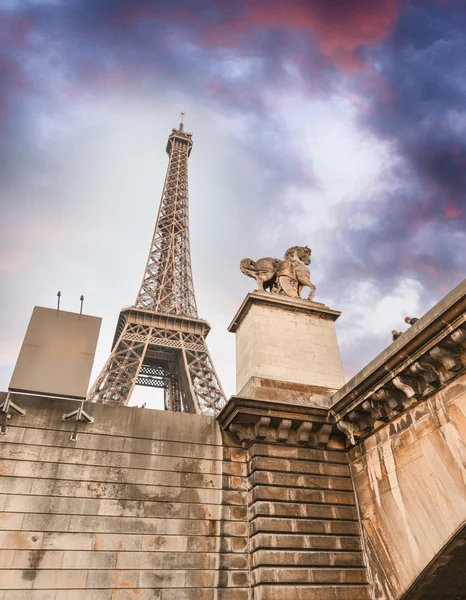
445	576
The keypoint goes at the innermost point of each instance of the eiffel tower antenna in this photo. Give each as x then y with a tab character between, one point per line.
160	341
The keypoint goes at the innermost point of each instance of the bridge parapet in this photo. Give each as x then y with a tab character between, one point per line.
420	363
404	417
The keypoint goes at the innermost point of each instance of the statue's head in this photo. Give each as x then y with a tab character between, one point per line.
302	252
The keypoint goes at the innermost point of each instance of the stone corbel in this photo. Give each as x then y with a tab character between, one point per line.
349	429
427	373
375	411
426	370
447	360
303	432
459	337
362	420
410	386
283	430
390	402
322	436
242	431
261	428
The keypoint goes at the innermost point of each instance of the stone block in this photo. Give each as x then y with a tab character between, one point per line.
30	595
79	559
304	526
16	580
137	594
311	592
21	540
112	579
163	579
313	511
84	595
318	482
109	541
294	542
302	576
307	558
38	559
299	466
58	579
6	558
38	522
286	341
15	485
293	452
9	521
261	492
68	541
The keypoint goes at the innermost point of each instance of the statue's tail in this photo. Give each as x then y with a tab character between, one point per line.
247	266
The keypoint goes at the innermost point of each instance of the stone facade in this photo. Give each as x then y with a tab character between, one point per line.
292	492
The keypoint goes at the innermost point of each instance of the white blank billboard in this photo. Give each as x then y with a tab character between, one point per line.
57	354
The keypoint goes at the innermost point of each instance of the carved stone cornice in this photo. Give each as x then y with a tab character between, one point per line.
253	420
276	300
418	364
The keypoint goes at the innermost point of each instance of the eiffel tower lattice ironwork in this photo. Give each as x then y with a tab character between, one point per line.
160	341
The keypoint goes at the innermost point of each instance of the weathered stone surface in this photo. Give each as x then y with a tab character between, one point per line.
411	488
106	515
288	340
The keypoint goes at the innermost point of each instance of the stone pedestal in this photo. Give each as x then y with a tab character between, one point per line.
286	350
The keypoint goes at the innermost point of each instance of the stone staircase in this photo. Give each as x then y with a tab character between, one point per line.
304	533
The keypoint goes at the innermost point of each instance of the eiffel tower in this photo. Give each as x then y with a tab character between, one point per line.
160	341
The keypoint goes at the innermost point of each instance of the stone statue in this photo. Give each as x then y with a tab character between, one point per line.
287	276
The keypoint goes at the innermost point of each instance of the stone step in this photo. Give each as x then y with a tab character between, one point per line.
314	511
299	466
307	558
312	542
285	494
312	592
303	526
292	480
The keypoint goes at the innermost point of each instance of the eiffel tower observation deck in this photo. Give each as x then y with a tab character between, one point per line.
160	341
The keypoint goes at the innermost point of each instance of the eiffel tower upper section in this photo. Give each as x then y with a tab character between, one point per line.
160	341
167	285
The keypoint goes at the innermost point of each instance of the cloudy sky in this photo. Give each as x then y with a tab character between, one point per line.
338	124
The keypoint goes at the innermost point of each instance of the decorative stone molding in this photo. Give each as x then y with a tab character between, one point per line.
252	420
419	377
420	362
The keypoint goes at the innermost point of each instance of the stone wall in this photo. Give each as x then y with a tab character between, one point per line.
305	540
305	536
410	480
143	505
